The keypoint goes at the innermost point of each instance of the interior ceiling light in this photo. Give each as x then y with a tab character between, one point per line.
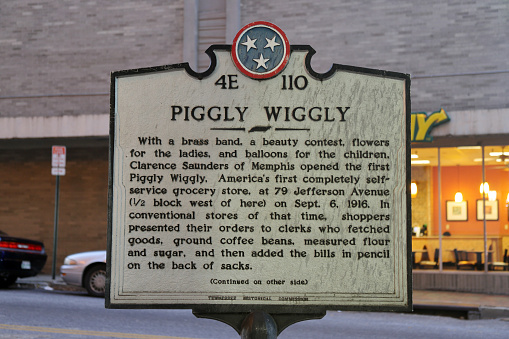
501	156
468	147
485	159
497	154
414	156
420	162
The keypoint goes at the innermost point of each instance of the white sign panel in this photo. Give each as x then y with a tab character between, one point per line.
58	158
58	171
259	182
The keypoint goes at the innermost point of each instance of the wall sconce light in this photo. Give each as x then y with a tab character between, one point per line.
492	195
413	189
484	188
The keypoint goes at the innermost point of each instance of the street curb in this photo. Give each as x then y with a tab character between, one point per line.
470	312
494	312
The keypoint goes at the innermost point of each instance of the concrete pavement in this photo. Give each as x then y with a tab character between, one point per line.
45	281
458	304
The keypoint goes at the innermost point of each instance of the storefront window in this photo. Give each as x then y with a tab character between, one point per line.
460	208
496	202
463	235
425	187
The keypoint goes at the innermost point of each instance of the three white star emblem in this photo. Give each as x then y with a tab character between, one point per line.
250	43
260	50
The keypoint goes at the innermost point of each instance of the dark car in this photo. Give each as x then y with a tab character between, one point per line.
19	258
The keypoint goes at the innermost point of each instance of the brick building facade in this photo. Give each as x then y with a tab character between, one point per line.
57	58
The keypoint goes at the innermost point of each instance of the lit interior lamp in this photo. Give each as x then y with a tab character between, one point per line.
507	200
492	195
458	197
484	188
413	189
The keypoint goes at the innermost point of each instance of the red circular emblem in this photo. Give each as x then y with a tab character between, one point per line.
260	50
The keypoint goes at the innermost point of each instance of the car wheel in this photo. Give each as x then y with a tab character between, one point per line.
95	280
6	281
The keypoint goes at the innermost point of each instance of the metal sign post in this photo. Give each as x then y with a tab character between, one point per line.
58	160
259	192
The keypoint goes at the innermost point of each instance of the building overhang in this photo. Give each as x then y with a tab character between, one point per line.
474	127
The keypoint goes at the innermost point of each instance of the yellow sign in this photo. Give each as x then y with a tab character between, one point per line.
422	124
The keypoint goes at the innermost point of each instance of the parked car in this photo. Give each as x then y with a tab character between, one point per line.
86	269
19	258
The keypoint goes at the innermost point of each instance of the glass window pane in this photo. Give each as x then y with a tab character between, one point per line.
448	207
424	227
496	160
461	176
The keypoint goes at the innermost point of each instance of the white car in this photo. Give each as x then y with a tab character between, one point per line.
86	269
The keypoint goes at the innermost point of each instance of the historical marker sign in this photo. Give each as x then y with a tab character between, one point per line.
259	183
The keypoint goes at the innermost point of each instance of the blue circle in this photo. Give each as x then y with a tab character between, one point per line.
260	34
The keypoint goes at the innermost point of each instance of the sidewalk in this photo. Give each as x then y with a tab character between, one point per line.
45	281
447	298
477	306
472	305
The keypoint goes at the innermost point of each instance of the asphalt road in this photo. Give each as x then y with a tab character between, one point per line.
54	314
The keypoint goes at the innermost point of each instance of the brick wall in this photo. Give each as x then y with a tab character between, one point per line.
52	47
417	37
28	199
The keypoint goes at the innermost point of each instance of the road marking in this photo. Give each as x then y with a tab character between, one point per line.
81	332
